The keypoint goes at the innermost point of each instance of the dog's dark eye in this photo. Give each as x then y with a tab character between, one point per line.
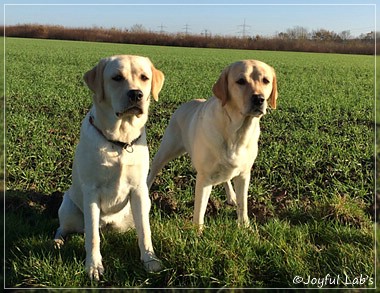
118	77
144	77
266	80
241	81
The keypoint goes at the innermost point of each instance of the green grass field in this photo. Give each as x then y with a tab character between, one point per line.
311	192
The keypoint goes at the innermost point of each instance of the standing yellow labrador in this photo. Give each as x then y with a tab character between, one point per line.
221	134
111	162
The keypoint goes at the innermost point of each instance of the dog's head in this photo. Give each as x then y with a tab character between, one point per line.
248	86
125	82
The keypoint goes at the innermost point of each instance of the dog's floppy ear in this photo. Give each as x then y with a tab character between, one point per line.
220	88
94	79
157	82
273	96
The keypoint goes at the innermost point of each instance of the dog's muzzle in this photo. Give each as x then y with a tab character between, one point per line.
257	105
135	96
134	103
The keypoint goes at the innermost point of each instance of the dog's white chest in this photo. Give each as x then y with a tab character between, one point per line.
114	157
230	164
117	182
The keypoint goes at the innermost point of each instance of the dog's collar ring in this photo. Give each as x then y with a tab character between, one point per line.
128	147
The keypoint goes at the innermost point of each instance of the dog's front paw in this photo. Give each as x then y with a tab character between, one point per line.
152	264
94	269
58	243
244	223
59	239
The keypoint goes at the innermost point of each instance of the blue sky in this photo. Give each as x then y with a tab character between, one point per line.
220	17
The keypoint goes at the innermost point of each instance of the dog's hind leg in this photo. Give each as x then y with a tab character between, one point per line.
70	220
170	148
231	195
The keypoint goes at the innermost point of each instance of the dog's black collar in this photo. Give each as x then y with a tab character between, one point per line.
124	145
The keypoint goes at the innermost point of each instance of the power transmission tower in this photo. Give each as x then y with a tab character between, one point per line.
206	33
244	29
186	28
161	28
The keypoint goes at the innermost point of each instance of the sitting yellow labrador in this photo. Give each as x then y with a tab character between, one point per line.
221	134
111	162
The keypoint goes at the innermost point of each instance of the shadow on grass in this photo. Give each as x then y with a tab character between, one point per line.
30	221
31	260
33	203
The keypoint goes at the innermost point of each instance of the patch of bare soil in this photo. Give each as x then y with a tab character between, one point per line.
164	202
48	204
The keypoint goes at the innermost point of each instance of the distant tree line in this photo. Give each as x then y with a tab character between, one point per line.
301	33
294	39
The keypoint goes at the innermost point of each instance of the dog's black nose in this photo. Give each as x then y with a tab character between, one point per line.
135	95
258	100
